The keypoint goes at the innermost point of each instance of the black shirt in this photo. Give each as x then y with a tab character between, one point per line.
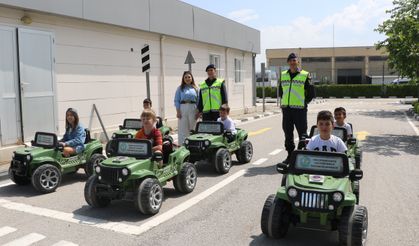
223	94
308	88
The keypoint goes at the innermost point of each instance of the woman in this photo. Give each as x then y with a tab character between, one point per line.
186	101
74	137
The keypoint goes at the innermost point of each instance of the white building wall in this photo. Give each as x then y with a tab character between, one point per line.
95	64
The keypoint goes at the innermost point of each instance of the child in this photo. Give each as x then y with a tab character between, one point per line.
340	116
226	120
325	141
74	137
149	130
147	103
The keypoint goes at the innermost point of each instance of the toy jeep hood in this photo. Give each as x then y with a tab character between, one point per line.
204	136
32	150
123	161
318	182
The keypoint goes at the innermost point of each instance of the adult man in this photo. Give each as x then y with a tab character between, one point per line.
212	95
296	92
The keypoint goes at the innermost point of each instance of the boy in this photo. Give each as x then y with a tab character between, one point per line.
340	116
147	105
226	120
149	131
325	141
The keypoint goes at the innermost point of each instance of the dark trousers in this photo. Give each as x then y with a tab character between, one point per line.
291	117
211	116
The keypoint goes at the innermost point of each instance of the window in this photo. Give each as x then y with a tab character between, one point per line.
237	70
215	59
378	58
316	59
349	58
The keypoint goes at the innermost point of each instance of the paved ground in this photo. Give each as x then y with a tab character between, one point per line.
225	210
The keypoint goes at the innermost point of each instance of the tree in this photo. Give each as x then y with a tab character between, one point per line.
402	42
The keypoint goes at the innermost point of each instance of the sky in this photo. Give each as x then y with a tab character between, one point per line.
305	23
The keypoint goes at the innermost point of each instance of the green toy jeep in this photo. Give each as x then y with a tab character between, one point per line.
318	194
132	172
131	126
43	163
210	142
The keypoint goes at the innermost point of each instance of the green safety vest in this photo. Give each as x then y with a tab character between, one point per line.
293	95
211	96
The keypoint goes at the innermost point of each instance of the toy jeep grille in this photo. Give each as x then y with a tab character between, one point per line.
195	144
111	175
18	163
117	136
314	200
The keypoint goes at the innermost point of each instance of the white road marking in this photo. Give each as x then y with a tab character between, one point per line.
275	152
260	161
64	243
6	230
412	125
26	240
6	184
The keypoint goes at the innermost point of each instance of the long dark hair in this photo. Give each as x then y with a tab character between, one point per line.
183	83
76	119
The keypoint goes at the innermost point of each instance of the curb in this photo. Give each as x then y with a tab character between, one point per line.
266	114
412	113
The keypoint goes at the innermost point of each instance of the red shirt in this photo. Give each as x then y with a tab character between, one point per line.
154	135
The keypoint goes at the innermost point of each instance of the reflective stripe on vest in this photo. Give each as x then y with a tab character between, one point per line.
211	96
293	95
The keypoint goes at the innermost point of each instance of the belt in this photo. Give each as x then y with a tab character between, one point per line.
186	102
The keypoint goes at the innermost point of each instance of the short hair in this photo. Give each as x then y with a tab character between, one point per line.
148	100
340	109
225	107
149	113
325	115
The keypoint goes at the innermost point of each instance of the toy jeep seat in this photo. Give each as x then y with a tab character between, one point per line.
167	148
88	137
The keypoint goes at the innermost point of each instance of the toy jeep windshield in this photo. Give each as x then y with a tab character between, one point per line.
318	194
210	142
133	172
43	164
132	125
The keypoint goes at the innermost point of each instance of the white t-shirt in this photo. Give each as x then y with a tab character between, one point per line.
346	126
333	144
228	124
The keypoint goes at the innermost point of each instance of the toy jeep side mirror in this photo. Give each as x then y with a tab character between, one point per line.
351	141
356	175
32	142
157	156
121	127
192	132
282	168
228	133
59	147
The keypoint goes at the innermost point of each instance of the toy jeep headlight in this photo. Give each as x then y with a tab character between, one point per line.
28	157
207	143
292	192
337	197
125	171
130	136
114	136
13	155
97	169
186	141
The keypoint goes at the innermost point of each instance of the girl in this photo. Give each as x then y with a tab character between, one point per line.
75	135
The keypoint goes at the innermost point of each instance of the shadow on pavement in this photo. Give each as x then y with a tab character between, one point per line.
391	145
299	236
398	115
262	170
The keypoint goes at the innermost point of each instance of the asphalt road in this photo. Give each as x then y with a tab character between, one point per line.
226	209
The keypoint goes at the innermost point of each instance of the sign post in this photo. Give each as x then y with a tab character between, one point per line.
262	74
145	61
189	60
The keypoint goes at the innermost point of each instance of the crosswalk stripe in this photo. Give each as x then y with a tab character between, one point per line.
64	243
275	152
6	230
26	240
260	161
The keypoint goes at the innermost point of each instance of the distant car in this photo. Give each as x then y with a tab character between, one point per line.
400	81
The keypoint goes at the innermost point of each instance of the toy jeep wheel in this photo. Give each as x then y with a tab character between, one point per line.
19	180
245	153
95	159
90	194
222	161
185	181
275	217
46	178
149	196
353	226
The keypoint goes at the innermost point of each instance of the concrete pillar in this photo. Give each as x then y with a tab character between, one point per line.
333	78
367	69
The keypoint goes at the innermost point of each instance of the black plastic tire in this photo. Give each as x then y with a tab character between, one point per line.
185	181
46	178
149	197
275	218
19	180
94	160
353	226
90	194
222	162
245	153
